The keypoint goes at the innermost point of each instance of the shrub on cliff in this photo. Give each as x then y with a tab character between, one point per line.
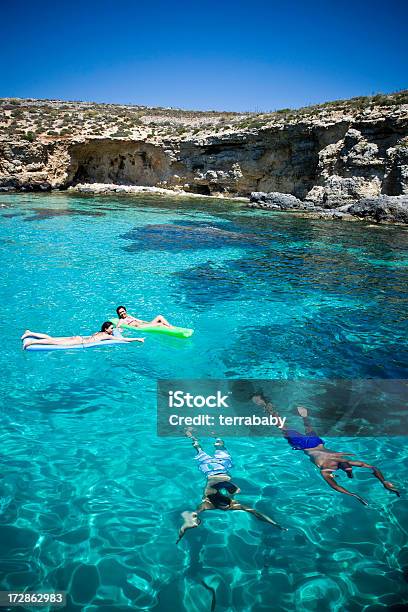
120	133
30	136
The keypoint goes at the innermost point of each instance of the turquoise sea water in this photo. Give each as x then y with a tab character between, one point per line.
90	497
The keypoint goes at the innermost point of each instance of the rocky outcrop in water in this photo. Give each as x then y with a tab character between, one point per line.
275	201
385	208
315	159
382	209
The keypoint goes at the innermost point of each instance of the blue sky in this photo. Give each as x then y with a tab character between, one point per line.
244	56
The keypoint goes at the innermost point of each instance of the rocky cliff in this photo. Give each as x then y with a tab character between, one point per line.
326	156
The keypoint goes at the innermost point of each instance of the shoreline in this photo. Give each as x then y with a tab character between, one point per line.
302	210
334	161
112	188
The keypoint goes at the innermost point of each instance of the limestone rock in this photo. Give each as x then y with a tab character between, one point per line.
385	208
274	201
321	158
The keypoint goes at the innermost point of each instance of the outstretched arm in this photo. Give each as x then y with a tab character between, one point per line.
261	400
329	478
307	424
258	515
378	474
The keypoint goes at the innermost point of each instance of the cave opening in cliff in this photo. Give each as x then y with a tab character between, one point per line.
200	189
120	163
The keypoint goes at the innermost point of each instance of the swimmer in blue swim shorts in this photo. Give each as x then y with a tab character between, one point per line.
326	460
219	489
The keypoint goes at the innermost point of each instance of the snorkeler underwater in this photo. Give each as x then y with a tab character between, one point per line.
204	289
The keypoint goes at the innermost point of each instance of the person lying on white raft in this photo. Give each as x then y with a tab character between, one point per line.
106	333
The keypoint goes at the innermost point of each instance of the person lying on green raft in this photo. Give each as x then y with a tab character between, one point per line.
106	333
126	319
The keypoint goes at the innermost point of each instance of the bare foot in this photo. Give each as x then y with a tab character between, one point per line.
26	334
27	344
302	411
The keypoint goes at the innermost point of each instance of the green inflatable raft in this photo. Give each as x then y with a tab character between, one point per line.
177	332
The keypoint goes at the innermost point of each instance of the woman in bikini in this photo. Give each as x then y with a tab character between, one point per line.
125	318
106	333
